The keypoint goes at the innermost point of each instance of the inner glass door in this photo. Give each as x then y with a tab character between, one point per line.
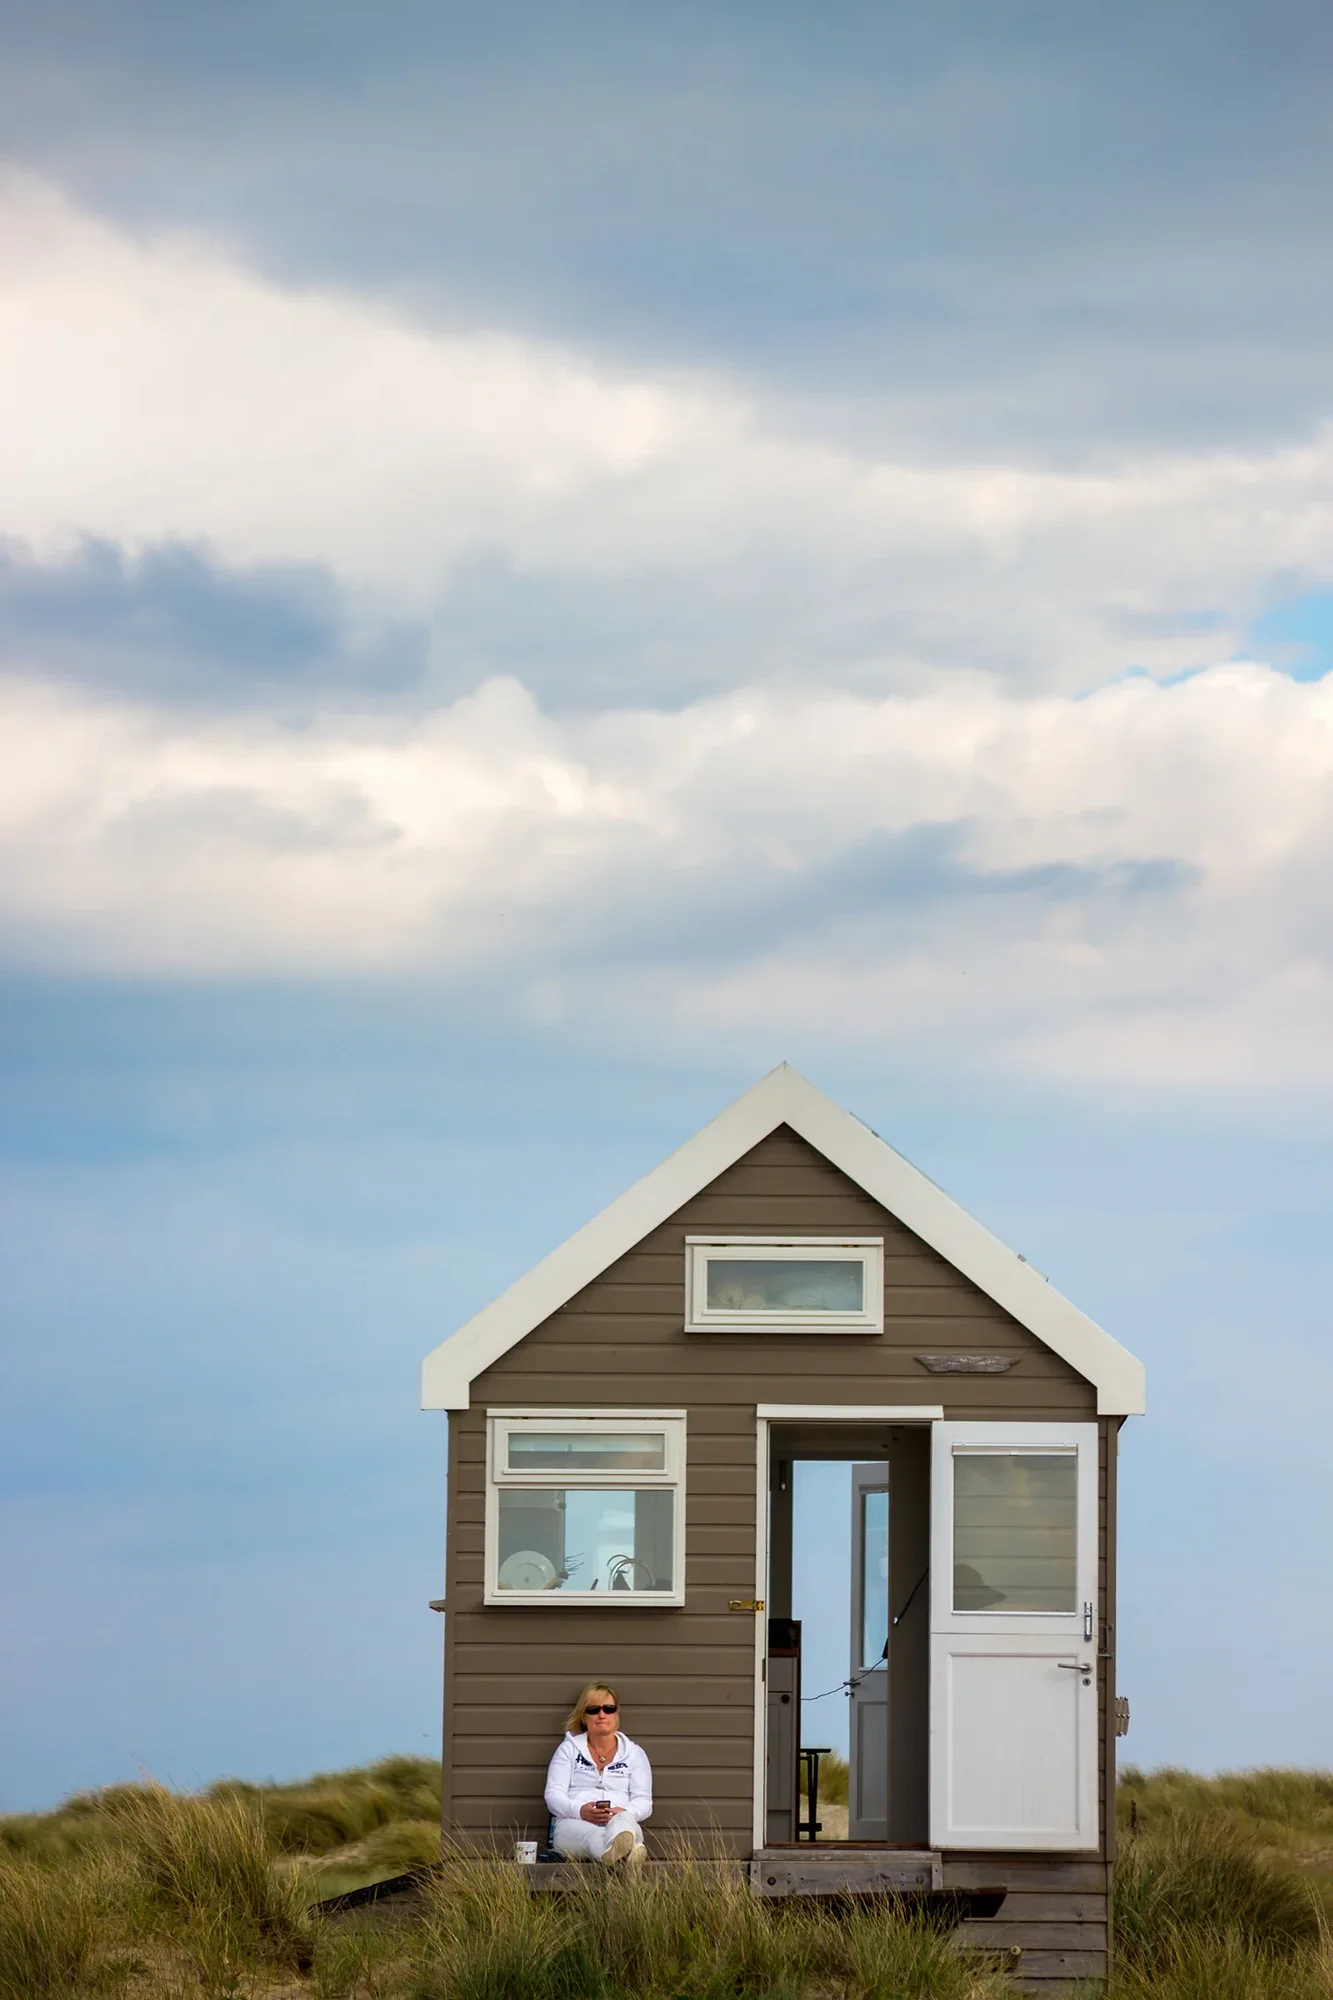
868	1731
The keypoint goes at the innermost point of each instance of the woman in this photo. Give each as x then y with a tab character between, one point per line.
599	1786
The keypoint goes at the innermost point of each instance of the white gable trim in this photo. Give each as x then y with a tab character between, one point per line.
785	1097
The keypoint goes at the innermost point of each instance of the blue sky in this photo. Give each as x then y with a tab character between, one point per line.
548	561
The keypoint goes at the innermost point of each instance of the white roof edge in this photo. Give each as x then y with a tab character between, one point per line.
785	1097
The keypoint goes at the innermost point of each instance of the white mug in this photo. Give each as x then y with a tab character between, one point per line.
525	1850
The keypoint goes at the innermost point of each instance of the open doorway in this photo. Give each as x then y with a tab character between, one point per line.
848	1631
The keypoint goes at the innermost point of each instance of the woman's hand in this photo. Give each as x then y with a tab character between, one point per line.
597	1811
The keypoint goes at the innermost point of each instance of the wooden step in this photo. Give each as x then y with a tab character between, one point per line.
845	1871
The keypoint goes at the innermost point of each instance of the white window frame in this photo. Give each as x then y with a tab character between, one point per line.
502	1424
1000	1439
700	1317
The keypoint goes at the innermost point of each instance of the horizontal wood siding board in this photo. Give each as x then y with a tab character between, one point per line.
764	1177
693	1723
716	1358
1061	1965
1022	1906
727	1636
1006	1871
962	1396
817	1210
570	1664
621	1343
525	1782
1042	1935
650	1691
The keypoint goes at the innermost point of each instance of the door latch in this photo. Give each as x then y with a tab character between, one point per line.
746	1604
1087	1622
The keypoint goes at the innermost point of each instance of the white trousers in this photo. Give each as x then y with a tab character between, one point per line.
580	1840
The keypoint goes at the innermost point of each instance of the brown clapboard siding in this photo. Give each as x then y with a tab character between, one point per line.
453	1487
1108	1640
1103	1576
621	1343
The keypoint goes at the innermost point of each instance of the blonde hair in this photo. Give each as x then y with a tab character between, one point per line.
576	1721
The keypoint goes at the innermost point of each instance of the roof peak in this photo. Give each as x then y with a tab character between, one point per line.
784	1096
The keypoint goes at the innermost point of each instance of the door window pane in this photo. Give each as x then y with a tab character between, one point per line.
777	1284
1015	1531
554	1539
587	1451
874	1576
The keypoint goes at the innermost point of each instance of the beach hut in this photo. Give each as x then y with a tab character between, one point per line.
624	1425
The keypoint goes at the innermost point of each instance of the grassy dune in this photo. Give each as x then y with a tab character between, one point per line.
1224	1894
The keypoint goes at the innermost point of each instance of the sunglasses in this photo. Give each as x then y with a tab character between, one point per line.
602	1708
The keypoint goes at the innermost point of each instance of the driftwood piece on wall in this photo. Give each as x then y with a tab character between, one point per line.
968	1364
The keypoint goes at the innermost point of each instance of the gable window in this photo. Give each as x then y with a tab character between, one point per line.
784	1284
585	1507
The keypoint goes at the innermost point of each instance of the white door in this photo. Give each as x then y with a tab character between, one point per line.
868	1746
1013	1619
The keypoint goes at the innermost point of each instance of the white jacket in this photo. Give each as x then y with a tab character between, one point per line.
572	1779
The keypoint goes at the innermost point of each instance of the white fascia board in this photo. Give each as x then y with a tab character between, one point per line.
970	1247
448	1372
785	1097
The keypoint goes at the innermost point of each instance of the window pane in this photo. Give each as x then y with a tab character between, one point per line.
777	1284
567	1539
586	1451
874	1576
1014	1531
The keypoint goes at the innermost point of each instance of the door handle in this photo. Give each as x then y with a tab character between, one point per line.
1075	1667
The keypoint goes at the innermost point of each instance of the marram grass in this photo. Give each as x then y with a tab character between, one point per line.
48	1930
149	1894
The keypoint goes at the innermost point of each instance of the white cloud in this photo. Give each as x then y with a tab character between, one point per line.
154	389
1128	885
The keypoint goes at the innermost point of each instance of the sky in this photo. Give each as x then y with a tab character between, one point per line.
551	558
